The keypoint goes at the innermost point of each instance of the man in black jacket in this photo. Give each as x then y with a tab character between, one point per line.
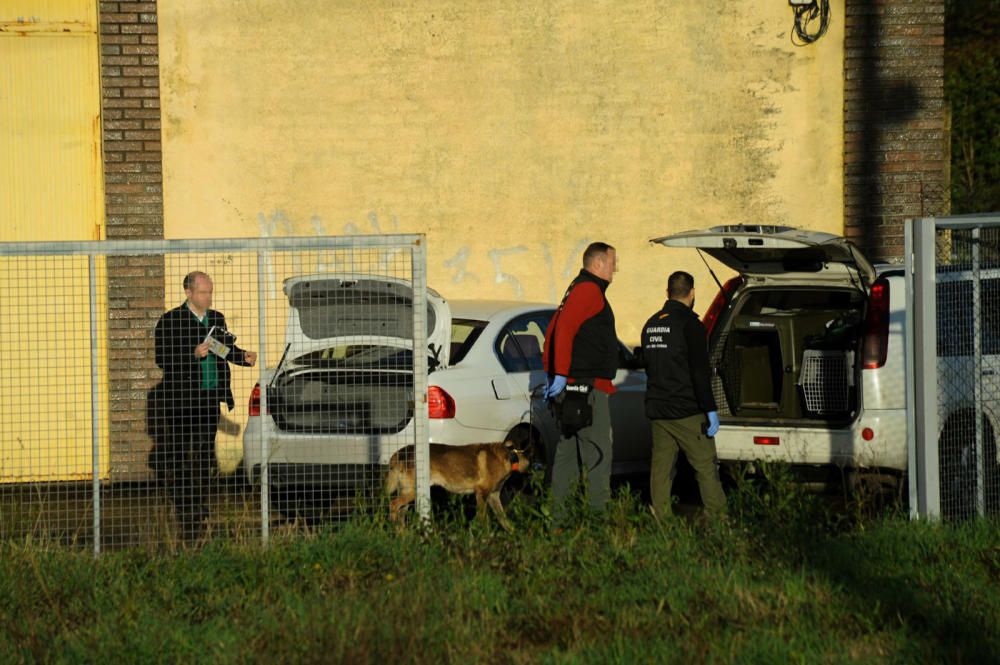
679	399
195	381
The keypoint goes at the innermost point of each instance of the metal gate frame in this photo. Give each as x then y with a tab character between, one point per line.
921	359
415	244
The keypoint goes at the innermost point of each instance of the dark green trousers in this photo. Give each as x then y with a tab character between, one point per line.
670	436
584	459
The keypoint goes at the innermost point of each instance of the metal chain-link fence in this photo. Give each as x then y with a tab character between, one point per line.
959	418
166	392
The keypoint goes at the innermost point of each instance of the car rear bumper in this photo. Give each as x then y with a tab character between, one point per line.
346	478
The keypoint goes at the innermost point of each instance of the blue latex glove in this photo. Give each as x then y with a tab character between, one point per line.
554	386
713	424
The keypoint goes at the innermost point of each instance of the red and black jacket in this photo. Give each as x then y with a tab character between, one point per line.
581	343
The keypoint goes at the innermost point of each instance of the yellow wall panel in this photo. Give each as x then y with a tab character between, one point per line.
41	14
50	189
511	133
50	163
45	396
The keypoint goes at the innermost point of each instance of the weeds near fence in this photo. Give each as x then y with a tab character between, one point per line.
785	579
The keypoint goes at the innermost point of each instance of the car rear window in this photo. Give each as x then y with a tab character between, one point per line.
358	356
464	333
776	301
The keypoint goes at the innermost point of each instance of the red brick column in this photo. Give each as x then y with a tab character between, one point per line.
134	210
895	137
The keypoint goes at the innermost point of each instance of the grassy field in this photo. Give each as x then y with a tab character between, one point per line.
788	579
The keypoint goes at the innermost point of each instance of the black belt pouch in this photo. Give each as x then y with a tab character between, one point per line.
573	410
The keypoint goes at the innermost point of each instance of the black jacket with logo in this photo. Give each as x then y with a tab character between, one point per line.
675	352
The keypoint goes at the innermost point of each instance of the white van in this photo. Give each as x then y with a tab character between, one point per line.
807	350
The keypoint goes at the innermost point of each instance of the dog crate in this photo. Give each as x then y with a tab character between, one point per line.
790	355
825	382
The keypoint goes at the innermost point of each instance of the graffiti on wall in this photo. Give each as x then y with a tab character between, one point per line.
508	262
505	261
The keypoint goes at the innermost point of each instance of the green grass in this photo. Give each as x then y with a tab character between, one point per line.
787	580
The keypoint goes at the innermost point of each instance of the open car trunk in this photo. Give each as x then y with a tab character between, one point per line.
787	347
786	353
332	403
322	393
348	364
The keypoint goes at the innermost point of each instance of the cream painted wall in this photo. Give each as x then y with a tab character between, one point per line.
510	133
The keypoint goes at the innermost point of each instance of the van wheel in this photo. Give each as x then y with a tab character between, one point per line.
958	468
874	490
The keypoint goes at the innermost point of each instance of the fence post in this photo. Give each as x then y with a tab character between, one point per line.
421	436
921	355
977	358
265	449
95	407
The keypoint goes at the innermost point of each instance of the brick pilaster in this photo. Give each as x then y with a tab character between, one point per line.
895	138
133	180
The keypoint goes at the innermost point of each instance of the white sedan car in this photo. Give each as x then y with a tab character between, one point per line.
495	377
340	402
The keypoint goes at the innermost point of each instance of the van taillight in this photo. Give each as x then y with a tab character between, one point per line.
254	406
876	341
439	403
719	303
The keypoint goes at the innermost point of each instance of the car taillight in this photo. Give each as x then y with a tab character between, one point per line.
719	303
254	406
875	346
439	403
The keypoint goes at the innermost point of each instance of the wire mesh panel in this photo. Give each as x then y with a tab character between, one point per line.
968	368
265	386
339	398
50	442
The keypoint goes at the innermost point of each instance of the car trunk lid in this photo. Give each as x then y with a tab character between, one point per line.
332	310
780	253
348	363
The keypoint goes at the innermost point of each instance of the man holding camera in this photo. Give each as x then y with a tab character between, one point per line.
580	360
679	399
194	349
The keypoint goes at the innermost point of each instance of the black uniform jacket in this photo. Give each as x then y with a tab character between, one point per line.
176	335
675	352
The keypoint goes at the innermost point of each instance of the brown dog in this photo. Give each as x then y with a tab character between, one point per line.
479	468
